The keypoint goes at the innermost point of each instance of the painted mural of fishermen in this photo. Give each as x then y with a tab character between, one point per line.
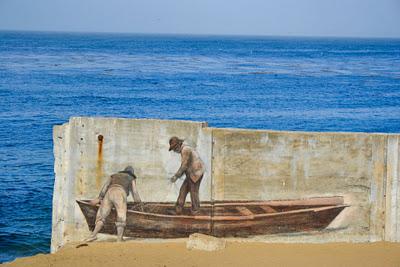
193	168
114	193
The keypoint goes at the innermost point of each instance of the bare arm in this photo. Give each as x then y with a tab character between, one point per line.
135	193
184	164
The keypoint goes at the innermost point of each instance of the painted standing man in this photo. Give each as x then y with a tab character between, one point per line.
193	168
114	193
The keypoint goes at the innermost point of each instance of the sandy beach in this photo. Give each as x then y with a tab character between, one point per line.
235	254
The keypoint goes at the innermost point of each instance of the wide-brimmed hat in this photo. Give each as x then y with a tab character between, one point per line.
129	170
174	142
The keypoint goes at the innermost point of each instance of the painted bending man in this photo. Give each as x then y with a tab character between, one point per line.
114	193
193	168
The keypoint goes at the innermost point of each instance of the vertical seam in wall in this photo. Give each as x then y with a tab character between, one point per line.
385	186
373	180
58	150
394	187
392	205
65	184
212	182
397	186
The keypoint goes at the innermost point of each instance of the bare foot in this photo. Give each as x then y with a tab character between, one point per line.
90	238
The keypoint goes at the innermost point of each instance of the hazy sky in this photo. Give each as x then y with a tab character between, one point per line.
360	18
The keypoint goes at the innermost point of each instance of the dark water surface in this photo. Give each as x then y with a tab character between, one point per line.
251	82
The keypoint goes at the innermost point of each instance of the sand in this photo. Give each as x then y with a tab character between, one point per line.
235	254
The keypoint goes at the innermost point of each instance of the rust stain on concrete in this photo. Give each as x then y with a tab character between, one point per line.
99	165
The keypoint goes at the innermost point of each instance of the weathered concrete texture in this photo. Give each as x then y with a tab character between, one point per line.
261	165
241	164
392	219
83	162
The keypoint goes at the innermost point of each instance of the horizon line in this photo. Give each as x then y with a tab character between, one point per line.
200	34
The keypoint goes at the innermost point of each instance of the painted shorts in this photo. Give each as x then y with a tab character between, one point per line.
115	196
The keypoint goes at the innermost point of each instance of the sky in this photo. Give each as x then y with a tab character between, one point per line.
347	18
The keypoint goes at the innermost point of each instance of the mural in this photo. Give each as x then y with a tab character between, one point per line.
193	168
111	213
114	193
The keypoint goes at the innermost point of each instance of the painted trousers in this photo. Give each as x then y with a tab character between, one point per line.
115	196
192	187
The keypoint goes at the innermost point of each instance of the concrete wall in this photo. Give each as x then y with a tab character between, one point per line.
281	165
241	164
83	163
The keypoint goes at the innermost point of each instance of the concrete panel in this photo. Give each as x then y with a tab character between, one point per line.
392	229
266	165
378	188
83	162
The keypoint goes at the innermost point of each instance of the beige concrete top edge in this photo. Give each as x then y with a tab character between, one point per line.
138	119
298	132
205	125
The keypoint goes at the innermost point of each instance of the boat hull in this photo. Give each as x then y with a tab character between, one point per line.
217	221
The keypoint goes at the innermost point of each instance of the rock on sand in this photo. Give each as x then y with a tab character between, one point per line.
205	242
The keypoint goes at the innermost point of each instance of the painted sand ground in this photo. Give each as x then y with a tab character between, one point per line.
235	254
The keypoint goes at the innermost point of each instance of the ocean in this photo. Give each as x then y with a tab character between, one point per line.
280	83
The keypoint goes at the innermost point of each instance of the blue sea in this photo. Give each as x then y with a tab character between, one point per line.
282	83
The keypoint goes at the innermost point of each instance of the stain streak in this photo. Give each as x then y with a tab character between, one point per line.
99	165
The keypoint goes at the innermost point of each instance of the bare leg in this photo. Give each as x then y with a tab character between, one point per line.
93	235
102	213
120	204
120	233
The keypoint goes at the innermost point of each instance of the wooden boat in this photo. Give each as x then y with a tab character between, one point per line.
222	218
